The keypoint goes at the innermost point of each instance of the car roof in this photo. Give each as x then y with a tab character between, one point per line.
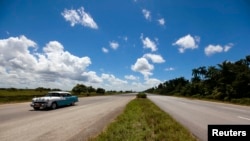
60	92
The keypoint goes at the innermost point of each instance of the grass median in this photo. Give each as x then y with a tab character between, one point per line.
143	120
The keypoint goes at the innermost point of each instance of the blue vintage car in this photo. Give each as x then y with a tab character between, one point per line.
53	100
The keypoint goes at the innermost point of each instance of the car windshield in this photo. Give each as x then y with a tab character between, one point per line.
53	94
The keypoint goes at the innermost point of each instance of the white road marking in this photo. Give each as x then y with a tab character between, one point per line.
243	118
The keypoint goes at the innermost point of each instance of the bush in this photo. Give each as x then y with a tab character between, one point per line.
243	101
141	95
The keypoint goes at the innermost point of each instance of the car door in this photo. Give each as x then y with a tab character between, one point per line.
69	99
62	101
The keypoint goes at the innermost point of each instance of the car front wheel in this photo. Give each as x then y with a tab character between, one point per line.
53	106
36	108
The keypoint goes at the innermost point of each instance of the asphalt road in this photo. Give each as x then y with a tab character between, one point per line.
196	115
19	122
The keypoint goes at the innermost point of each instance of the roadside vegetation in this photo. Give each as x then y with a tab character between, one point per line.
144	121
13	95
228	82
141	95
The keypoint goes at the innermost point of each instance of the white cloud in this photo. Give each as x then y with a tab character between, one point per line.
105	50
114	45
131	77
161	21
56	61
113	80
142	65
228	47
212	49
21	66
147	43
154	58
15	53
152	82
79	16
187	42
170	69
91	77
146	13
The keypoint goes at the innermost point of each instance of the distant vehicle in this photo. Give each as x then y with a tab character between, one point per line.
53	100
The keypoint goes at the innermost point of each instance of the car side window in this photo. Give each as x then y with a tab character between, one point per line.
53	94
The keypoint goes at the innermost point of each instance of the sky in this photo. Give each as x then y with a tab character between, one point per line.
117	45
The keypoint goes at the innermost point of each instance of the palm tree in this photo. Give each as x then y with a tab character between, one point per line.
195	74
202	71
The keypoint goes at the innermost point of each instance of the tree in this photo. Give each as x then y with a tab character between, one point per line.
79	88
100	91
226	81
91	89
202	72
195	75
211	79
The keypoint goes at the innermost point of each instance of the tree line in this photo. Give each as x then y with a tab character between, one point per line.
226	81
89	90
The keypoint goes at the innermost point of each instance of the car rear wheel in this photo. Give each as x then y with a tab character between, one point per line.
73	104
53	106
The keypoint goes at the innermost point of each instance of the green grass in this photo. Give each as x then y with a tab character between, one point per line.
10	96
144	121
26	95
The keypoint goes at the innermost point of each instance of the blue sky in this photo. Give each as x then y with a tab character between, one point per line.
117	45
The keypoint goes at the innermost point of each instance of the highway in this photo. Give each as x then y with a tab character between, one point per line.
19	122
196	115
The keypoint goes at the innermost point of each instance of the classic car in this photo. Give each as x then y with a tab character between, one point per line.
53	100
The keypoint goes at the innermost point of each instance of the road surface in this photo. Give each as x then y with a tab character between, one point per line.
19	122
195	115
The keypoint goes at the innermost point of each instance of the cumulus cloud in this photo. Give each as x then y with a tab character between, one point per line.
112	79
143	66
105	50
91	77
152	82
79	16
212	49
147	14
56	61
228	47
161	21
131	77
22	66
155	58
114	45
15	53
147	43
187	42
